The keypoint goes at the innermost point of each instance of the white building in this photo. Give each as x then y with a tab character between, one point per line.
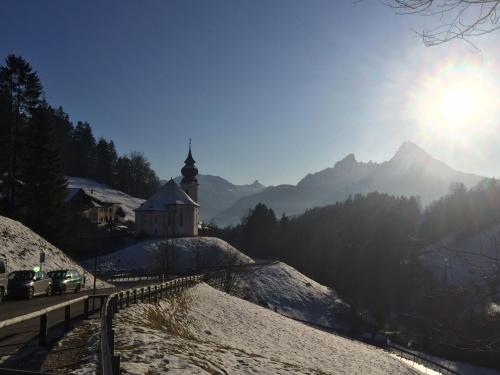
173	210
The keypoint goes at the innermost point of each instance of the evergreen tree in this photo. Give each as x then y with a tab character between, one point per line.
44	190
21	91
83	151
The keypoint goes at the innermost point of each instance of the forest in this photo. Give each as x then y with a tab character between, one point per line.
40	145
368	249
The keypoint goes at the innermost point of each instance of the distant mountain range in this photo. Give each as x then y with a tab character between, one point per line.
411	171
217	194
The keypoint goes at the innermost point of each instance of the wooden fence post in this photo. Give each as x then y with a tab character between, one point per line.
149	294
128	298
156	293
135	296
121	300
42	337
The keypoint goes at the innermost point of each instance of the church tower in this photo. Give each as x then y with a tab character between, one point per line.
189	181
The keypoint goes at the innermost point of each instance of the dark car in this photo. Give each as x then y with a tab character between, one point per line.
3	280
65	280
28	284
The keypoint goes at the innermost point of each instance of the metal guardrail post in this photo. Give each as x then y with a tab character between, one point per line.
67	318
86	308
42	338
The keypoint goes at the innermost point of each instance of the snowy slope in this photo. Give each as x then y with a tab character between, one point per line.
143	256
21	248
462	261
292	294
206	331
107	194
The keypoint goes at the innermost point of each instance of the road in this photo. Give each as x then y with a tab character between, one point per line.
18	336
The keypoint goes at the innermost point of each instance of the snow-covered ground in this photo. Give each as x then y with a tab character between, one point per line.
462	261
460	367
205	331
105	193
183	254
20	247
292	294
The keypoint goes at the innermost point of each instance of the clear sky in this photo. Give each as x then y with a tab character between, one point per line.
267	89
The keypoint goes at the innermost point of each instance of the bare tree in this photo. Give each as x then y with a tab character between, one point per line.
459	19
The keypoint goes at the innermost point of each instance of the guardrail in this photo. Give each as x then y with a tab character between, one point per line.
109	363
43	314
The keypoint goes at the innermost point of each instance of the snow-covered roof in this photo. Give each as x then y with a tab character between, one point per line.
168	195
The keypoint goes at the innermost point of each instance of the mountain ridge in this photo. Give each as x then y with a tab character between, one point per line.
411	171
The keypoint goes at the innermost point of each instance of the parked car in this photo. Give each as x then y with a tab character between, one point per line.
28	284
64	280
3	279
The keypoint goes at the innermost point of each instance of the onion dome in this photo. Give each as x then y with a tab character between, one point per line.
189	171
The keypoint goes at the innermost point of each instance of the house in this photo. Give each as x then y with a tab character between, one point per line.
173	210
87	206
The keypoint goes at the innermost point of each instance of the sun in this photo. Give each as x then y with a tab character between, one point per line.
455	102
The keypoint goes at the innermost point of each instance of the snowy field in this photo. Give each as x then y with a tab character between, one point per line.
291	293
21	248
205	331
186	253
105	193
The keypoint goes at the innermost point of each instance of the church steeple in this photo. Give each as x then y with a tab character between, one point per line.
189	172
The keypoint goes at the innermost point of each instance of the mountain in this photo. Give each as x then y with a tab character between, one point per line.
411	171
217	194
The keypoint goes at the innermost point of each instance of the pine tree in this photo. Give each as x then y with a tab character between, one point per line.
22	90
44	190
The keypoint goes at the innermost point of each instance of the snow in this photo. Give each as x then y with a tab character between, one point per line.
20	247
293	294
460	367
205	331
464	261
143	256
104	193
168	194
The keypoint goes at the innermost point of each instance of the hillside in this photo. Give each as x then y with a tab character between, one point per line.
411	171
105	193
183	255
206	331
281	287
21	248
466	260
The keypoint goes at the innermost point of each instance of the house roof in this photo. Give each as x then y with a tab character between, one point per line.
168	195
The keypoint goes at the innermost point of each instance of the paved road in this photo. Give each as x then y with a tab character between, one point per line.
16	337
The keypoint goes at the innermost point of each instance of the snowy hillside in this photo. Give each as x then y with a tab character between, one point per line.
185	254
462	261
21	248
292	294
107	194
205	331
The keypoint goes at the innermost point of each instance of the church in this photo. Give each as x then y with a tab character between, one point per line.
173	210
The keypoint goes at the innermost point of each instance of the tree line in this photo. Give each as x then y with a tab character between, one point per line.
368	249
39	145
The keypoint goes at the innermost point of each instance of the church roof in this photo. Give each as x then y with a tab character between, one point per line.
168	195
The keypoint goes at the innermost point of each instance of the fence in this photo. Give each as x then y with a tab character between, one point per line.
44	326
417	358
109	363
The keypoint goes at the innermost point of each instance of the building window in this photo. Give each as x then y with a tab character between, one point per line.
180	218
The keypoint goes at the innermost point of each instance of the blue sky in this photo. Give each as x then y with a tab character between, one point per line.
268	90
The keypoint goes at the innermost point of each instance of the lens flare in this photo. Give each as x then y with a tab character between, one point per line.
456	101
